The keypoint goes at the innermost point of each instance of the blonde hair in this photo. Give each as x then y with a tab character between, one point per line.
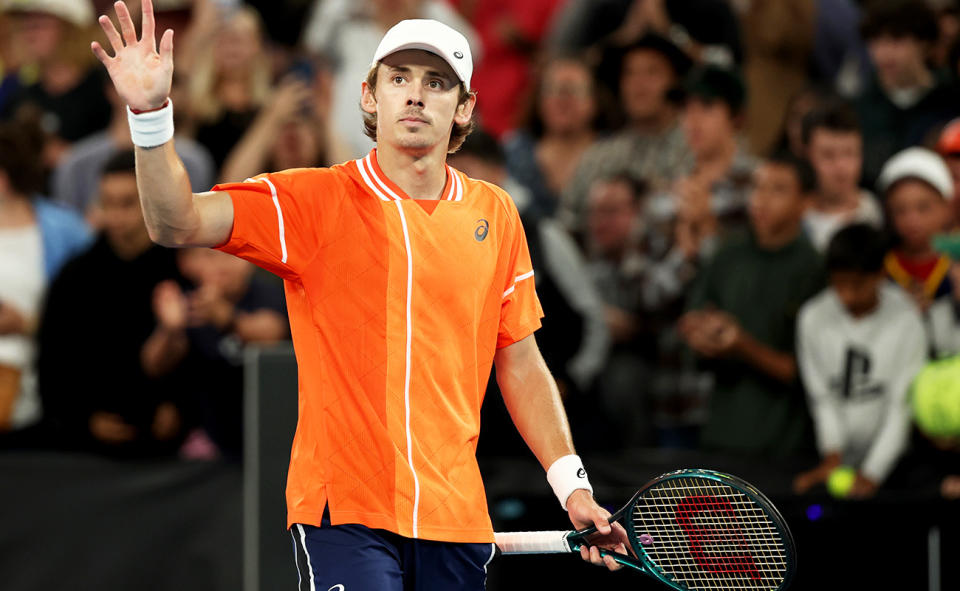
204	79
457	136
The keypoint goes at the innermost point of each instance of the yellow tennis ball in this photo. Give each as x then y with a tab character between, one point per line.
936	398
841	481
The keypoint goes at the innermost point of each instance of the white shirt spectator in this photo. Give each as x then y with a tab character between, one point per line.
857	373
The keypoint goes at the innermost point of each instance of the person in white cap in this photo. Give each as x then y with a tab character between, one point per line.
405	281
918	191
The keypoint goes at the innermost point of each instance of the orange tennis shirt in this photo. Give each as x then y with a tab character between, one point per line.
396	307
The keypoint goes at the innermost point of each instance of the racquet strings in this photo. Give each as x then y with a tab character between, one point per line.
704	534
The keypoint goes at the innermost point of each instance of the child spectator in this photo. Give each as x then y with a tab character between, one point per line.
917	189
834	147
743	314
860	343
97	317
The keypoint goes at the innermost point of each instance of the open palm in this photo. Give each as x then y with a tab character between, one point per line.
141	75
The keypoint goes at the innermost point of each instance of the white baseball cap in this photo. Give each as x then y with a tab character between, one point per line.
76	12
917	163
432	36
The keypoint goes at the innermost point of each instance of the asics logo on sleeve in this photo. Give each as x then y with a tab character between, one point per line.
581	473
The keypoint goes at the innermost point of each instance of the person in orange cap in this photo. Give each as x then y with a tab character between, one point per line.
949	147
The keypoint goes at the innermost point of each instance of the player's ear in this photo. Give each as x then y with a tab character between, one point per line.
465	110
368	102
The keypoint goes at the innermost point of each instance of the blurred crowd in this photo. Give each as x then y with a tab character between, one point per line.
738	211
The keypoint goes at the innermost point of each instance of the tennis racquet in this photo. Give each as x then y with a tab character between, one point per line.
690	529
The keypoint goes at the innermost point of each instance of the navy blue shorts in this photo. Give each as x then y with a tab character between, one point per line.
353	557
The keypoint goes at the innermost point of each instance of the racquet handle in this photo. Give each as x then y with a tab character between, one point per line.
533	542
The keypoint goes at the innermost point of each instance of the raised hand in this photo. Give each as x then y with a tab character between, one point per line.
141	75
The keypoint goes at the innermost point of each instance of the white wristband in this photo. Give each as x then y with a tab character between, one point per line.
566	475
153	128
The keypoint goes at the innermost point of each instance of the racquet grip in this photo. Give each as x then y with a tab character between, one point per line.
533	542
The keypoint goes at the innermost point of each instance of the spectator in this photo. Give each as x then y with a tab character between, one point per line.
919	193
36	239
905	99
743	314
293	130
76	178
778	39
96	320
348	31
229	82
68	88
917	188
651	146
949	147
834	144
206	328
561	126
715	192
860	343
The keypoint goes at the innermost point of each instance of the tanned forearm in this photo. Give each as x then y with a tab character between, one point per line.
165	194
532	397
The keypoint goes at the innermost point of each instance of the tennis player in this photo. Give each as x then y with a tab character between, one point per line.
405	280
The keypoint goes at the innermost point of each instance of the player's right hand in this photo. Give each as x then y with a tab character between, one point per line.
141	74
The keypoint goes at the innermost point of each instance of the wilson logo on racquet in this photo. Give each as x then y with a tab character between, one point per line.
714	537
483	228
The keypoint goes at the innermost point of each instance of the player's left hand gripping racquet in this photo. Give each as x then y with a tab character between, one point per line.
690	529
